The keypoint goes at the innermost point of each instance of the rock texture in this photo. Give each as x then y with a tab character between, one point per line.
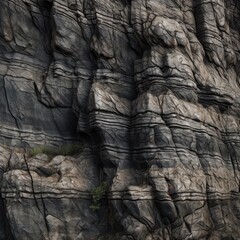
153	88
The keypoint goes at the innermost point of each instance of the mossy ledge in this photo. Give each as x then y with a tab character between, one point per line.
65	150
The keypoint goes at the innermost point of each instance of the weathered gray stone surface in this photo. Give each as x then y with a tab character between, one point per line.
154	89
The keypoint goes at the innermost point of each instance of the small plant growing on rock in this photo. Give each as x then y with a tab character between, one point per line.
97	194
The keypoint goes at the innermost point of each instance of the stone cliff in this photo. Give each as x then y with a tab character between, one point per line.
150	92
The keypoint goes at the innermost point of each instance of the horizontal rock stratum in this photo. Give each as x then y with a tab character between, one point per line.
148	90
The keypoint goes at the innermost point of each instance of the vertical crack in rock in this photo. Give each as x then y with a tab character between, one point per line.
43	212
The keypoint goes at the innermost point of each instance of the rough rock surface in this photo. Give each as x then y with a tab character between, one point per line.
154	89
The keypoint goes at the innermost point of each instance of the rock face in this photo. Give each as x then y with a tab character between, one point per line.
153	88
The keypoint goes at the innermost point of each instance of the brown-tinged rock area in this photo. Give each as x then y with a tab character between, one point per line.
150	92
